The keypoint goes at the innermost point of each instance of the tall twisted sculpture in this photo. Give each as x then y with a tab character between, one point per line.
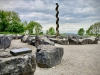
57	21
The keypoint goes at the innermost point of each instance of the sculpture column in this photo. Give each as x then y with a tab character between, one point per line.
57	21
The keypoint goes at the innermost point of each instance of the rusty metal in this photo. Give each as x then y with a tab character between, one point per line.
57	21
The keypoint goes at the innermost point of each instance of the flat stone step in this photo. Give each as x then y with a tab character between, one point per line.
19	51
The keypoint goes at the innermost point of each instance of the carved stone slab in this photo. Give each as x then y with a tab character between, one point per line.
19	51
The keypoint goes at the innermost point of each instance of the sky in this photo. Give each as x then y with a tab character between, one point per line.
73	14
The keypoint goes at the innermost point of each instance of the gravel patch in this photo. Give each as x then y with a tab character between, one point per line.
77	59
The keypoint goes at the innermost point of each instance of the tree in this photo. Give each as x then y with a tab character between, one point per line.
90	30
94	29
34	28
38	29
30	27
50	31
15	27
47	32
81	31
3	21
10	22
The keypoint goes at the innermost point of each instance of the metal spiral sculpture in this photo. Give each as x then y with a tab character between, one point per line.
57	21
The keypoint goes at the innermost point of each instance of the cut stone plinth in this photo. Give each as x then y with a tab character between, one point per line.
20	51
48	56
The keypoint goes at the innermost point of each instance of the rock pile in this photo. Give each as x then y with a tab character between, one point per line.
86	40
36	40
75	40
23	64
62	40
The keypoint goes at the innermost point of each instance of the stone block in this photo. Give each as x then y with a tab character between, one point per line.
20	51
48	56
18	65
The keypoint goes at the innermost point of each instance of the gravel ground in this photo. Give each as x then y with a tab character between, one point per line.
77	60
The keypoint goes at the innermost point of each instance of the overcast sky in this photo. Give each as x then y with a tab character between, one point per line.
73	14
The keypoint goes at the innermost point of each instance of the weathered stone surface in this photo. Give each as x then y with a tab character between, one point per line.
31	40
21	36
99	38
24	39
5	42
89	40
20	51
51	36
48	56
10	36
53	40
18	36
45	41
42	40
4	54
19	65
73	41
63	37
1	35
63	41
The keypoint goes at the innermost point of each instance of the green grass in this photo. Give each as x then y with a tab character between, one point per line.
10	33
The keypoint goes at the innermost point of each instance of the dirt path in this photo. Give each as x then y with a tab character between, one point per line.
77	60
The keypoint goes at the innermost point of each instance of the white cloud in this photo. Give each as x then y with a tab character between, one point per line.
84	10
73	14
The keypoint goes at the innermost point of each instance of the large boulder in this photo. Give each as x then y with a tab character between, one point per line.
53	40
4	54
5	42
45	41
24	39
63	41
19	65
73	41
99	38
63	37
88	40
48	56
31	40
51	36
10	36
42	40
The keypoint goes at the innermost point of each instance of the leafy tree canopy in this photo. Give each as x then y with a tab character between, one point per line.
94	29
10	22
81	31
34	28
50	31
